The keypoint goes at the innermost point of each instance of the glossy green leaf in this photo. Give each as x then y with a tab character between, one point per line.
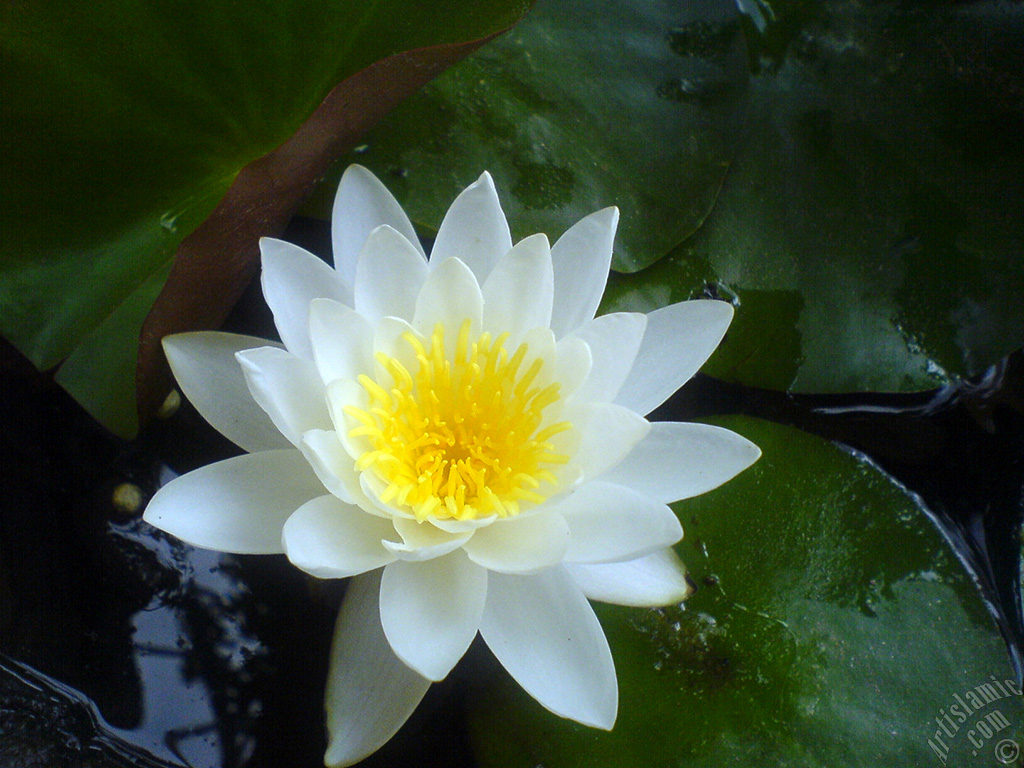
583	105
870	225
831	627
124	123
868	211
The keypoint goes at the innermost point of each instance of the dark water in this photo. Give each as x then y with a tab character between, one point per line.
123	647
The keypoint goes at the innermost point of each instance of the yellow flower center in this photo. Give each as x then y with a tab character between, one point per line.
461	438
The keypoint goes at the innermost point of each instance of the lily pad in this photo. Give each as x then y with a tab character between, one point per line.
831	627
125	123
583	105
872	215
859	161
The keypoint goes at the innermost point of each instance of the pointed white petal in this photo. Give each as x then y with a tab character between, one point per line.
333	465
449	296
342	340
582	258
678	340
609	523
655	579
607	433
205	367
679	460
518	292
237	505
613	340
389	275
431	611
520	544
288	388
474	230
544	632
361	205
332	540
292	277
370	692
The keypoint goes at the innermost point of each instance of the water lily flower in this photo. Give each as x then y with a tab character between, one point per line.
463	437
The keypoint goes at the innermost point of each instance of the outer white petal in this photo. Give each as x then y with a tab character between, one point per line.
520	544
607	433
361	205
389	275
292	277
237	505
331	539
342	340
656	579
613	340
609	523
678	460
582	257
449	296
678	340
370	692
288	388
431	611
518	292
543	630
206	369
474	230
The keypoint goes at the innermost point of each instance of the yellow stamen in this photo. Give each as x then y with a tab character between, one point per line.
460	438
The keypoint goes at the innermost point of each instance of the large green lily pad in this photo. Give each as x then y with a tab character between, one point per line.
862	170
831	627
637	104
123	125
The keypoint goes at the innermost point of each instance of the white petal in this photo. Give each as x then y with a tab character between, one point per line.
361	205
389	275
609	523
474	230
520	544
292	277
449	296
573	364
370	692
288	388
613	340
342	341
679	460
333	465
582	258
543	630
331	539
237	505
423	541
518	292
656	579
431	611
678	341
607	433
206	369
